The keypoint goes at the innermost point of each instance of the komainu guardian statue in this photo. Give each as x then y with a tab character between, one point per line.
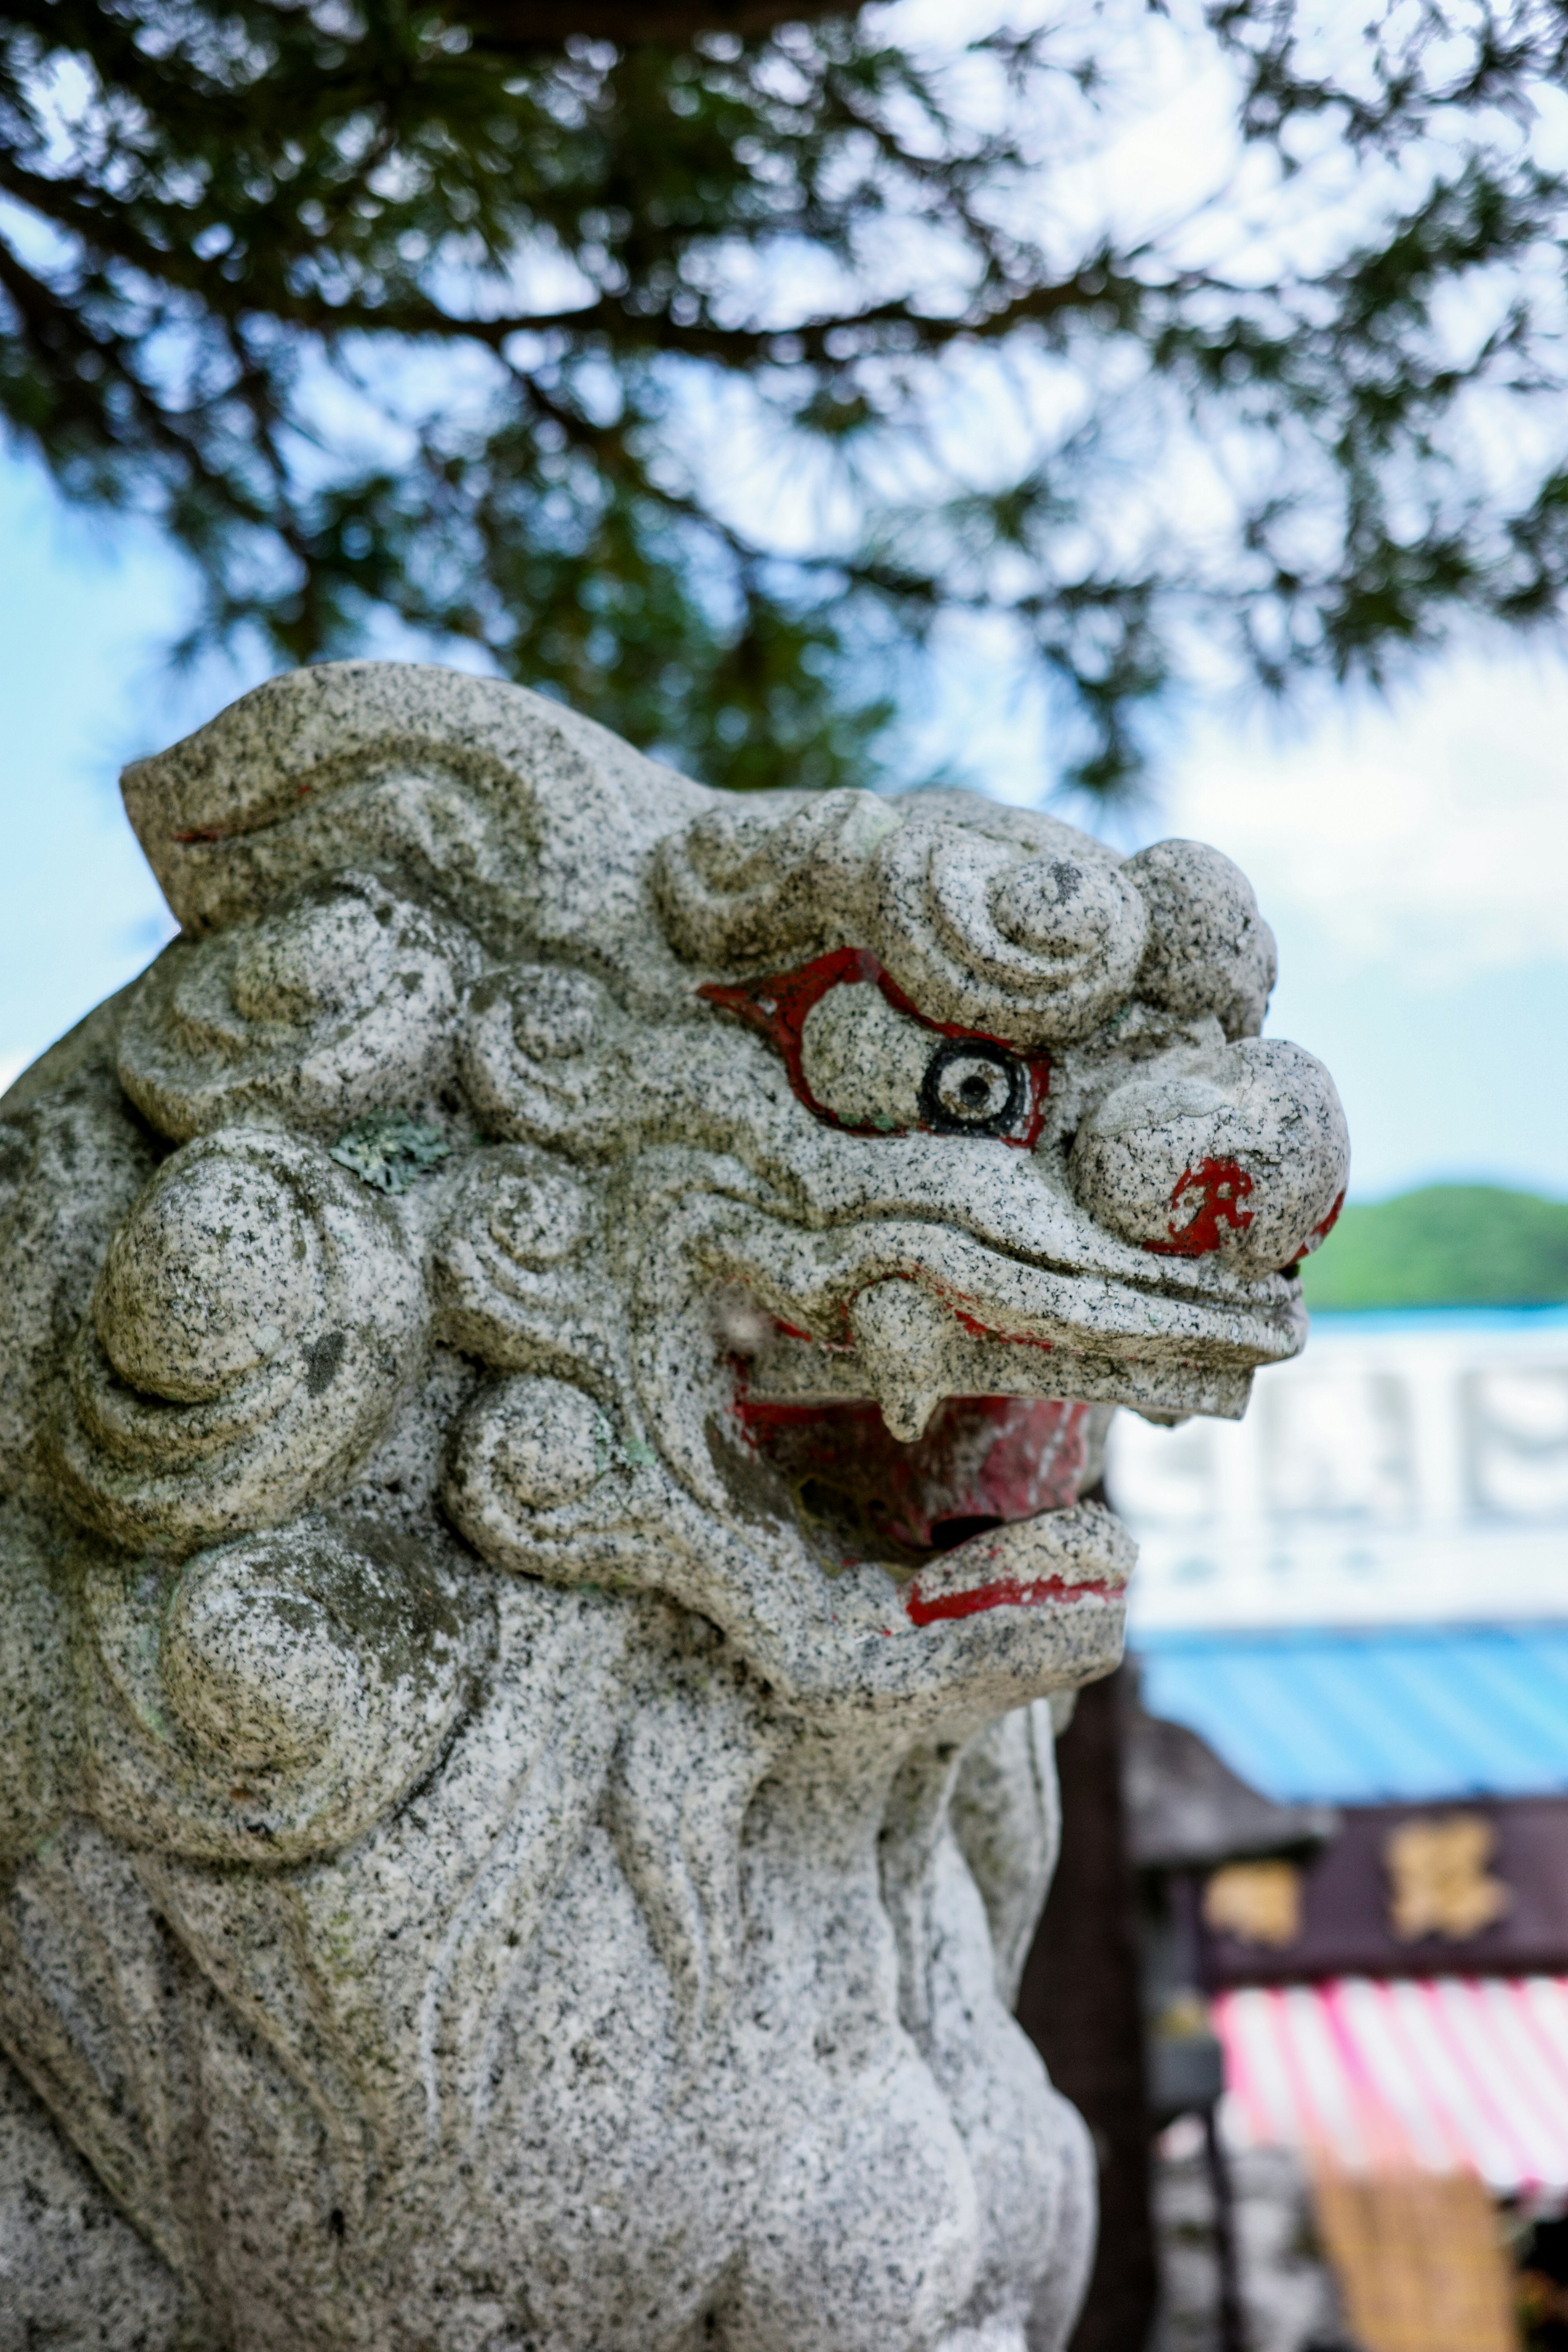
551	1349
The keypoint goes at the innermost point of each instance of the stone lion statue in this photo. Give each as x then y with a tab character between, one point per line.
551	1349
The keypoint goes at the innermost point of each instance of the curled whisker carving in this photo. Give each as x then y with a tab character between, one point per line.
513	1272
544	1059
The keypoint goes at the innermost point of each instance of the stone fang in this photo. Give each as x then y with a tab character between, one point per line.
902	1343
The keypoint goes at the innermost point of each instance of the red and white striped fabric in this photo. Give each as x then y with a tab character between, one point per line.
1452	2075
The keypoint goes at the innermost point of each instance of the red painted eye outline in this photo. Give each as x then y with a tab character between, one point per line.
777	1008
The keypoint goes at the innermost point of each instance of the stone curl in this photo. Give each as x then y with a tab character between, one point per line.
541	1061
995	917
273	1698
1209	949
257	1316
70	1165
969	923
341	997
1001	920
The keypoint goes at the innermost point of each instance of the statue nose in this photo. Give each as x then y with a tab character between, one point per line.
1238	1151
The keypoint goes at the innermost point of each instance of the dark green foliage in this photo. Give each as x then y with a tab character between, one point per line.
708	384
1444	1246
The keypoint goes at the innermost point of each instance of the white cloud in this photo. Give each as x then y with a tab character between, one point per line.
1431	832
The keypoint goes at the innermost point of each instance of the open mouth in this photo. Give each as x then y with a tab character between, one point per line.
922	1407
980	1512
983	1463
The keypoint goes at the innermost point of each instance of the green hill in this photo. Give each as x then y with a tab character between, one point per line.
1444	1246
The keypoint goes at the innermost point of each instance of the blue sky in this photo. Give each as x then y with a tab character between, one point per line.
1411	857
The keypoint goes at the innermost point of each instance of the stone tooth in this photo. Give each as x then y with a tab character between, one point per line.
902	1338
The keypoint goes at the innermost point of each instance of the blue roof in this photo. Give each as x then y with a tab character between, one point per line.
1551	1315
1367	1716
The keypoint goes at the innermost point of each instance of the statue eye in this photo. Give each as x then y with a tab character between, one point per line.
861	1056
971	1087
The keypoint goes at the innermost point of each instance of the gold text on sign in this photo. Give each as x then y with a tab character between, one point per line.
1257	1901
1439	1884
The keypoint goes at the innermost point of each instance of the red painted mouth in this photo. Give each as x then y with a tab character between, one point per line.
983	1463
1005	1593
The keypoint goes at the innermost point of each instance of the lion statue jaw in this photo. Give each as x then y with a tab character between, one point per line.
552	1355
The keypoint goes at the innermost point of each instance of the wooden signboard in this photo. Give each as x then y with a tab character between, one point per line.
1467	1889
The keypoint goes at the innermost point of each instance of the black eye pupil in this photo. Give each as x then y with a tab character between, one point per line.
972	1088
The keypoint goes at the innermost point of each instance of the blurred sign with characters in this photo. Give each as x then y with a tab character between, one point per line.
1410	1466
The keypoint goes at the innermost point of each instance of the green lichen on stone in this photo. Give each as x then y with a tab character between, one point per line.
389	1150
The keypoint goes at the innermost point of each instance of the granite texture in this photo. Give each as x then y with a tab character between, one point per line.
551	1353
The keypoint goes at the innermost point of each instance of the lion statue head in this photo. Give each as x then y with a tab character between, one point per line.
555	1354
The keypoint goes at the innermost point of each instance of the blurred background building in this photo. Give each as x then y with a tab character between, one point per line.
1358	1598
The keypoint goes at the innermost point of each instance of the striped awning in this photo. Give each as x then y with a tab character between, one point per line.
1449	2073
